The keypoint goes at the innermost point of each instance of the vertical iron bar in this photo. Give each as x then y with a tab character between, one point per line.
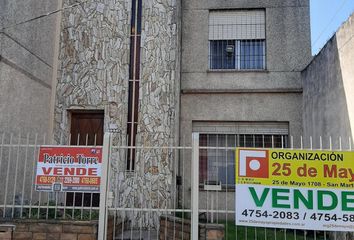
183	189
40	193
208	176
48	193
195	183
24	174
340	143
1	152
1	148
350	143
33	174
175	190
7	175
91	200
115	203
102	223
16	174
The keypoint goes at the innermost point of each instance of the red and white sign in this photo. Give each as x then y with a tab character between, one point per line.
254	163
70	169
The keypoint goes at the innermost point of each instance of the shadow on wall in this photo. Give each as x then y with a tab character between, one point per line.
325	107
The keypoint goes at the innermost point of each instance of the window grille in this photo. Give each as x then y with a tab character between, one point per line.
134	82
237	40
218	141
217	154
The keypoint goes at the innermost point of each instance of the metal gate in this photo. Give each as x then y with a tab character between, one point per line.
150	202
164	197
167	196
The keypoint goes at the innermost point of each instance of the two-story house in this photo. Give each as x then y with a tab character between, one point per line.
241	80
158	71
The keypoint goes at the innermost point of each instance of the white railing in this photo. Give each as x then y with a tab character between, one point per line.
18	197
165	181
135	200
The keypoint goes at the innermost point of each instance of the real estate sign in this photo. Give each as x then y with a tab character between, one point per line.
297	189
71	169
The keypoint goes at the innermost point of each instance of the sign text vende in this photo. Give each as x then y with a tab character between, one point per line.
301	189
75	168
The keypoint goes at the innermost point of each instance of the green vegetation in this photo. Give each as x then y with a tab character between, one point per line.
245	233
58	212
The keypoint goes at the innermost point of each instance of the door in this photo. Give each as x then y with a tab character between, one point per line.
86	130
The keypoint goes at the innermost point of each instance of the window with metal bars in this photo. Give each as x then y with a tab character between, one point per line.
237	54
134	82
237	40
217	154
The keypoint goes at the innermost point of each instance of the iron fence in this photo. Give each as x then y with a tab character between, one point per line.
18	197
167	196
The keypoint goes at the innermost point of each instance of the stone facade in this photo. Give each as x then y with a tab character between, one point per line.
151	185
93	75
93	62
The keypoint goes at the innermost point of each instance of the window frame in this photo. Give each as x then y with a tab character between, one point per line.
237	61
285	143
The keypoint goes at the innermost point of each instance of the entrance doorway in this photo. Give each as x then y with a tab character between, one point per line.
86	130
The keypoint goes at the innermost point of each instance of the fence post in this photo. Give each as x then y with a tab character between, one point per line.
102	220
195	186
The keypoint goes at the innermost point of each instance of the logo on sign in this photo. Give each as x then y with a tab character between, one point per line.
253	163
57	187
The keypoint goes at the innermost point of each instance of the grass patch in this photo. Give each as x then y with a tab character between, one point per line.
244	233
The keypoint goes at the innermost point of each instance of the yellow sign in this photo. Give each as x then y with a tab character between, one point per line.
297	189
295	168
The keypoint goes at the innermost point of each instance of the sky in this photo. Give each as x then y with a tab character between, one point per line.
326	17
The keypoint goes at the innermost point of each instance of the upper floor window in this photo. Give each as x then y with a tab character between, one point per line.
237	40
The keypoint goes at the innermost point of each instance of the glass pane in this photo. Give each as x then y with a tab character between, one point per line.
249	142
231	140
203	158
221	140
212	140
217	165
222	54
252	54
268	141
258	141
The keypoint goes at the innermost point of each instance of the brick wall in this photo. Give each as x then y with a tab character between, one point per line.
211	231
6	232
174	228
50	229
177	228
